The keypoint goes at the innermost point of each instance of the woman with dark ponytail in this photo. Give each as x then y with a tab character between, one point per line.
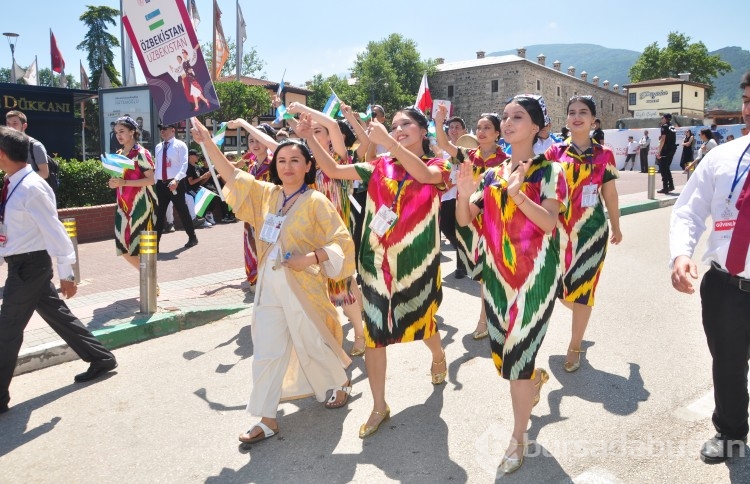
400	252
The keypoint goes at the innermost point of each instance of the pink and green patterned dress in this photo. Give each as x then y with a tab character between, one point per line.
400	271
261	171
470	237
520	265
136	206
337	191
585	230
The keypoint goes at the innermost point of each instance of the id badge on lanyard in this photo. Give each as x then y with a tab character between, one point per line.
590	196
271	228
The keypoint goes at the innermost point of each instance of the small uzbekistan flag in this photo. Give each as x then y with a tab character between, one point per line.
219	136
367	115
332	105
431	130
115	164
281	114
203	200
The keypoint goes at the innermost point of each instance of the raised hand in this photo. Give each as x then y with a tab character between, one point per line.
466	182
441	114
516	178
377	134
304	126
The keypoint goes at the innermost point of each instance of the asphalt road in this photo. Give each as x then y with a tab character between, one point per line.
637	411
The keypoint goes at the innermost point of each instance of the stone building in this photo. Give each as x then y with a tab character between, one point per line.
485	84
677	96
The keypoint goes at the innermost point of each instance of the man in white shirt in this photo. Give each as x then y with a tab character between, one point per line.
30	233
720	188
630	152
644	145
544	140
171	159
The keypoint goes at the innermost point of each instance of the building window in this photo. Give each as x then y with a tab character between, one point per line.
613	107
622	110
538	85
631	99
696	93
494	86
675	96
558	91
450	91
230	140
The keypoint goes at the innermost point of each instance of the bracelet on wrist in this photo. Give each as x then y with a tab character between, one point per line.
317	260
518	204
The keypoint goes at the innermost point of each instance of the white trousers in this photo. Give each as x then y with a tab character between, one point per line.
290	357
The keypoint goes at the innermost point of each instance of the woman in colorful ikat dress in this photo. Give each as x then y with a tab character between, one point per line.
519	203
591	173
400	252
136	200
489	154
344	293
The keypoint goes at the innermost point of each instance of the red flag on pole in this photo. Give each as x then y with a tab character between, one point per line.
58	64
424	99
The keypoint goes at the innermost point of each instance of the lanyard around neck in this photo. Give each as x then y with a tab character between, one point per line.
737	175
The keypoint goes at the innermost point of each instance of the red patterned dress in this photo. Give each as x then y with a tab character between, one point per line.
520	265
261	171
401	283
136	206
470	237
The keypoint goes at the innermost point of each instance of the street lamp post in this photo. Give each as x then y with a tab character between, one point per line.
12	40
372	89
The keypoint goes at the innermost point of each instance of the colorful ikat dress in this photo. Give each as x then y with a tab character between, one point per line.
470	237
261	171
520	265
400	270
136	206
585	230
337	191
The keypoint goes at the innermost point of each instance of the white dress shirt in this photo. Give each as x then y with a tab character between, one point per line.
706	194
177	159
31	221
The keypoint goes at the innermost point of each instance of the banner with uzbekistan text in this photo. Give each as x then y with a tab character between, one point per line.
167	47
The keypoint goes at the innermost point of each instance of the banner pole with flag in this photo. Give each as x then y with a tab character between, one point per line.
213	48
57	61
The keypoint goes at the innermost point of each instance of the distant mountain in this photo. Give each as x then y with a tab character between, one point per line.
613	65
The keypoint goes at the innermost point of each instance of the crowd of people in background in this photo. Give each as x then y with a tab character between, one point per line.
523	209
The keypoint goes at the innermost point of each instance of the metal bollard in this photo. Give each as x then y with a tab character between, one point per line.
72	229
148	271
652	183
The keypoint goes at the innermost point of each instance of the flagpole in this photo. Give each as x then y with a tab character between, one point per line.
122	49
213	47
239	42
83	130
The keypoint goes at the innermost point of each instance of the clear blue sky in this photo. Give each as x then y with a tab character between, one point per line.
306	38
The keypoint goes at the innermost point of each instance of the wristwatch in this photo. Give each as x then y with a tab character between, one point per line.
69	278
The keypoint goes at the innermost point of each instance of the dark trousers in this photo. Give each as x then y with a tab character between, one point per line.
448	227
644	159
29	288
726	322
164	196
629	158
665	171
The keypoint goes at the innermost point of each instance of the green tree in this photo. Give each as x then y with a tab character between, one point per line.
252	64
679	56
239	101
388	72
100	44
321	91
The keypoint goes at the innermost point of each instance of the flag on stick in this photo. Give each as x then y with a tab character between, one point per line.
115	164
281	84
367	115
58	64
202	200
219	136
281	114
193	13
84	77
31	76
424	99
18	72
222	49
332	105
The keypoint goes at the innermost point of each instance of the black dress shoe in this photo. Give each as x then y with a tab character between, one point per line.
191	243
459	274
719	449
96	369
663	190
